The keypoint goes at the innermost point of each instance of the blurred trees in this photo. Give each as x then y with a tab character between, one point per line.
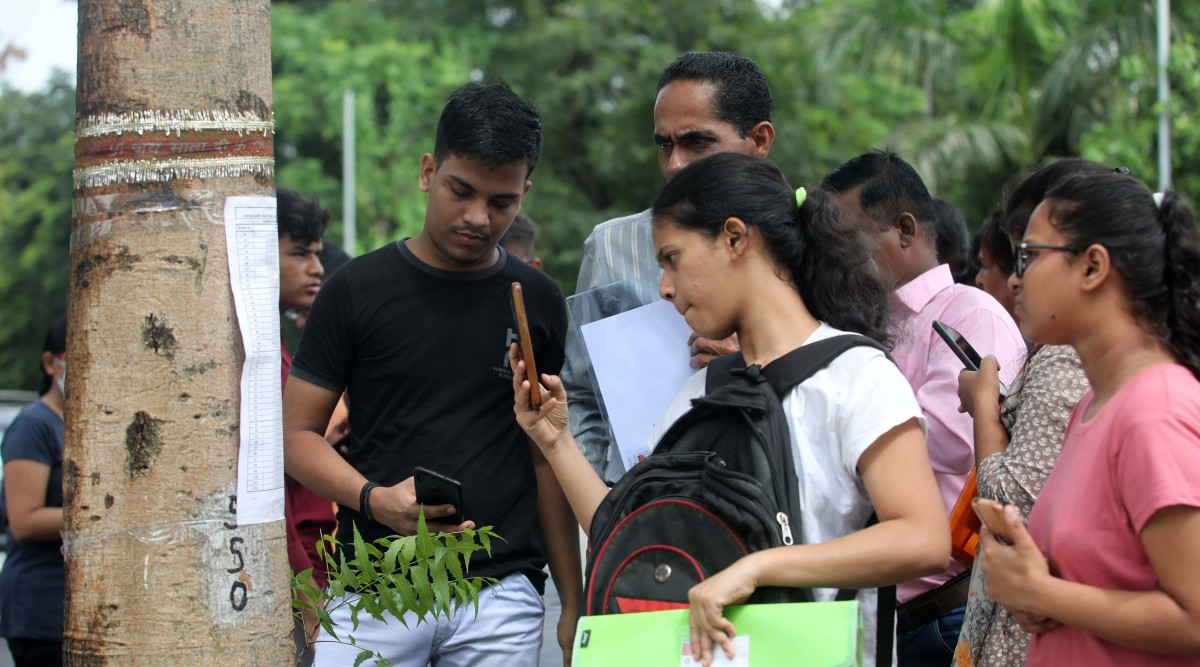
37	152
970	91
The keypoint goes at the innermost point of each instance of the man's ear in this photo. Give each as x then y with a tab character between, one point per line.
761	136
428	167
1095	264
908	228
48	363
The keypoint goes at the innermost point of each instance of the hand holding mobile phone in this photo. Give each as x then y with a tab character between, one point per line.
525	346
991	513
434	488
963	350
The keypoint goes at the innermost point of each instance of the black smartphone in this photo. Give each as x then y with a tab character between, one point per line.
434	488
963	350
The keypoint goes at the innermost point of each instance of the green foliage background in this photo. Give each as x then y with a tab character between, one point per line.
971	92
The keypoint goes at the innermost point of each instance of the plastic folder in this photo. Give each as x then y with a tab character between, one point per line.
816	634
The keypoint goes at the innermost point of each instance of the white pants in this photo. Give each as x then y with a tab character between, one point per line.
507	632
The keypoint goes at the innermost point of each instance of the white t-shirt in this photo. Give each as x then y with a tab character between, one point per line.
833	417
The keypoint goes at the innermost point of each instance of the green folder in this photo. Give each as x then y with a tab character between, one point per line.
816	634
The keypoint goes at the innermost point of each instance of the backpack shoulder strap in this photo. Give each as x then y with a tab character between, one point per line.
803	362
720	370
792	368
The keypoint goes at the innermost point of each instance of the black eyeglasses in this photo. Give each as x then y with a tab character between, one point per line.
1023	256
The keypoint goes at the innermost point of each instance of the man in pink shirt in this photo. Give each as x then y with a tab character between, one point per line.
884	194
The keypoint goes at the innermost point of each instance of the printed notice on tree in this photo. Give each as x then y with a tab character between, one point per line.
253	242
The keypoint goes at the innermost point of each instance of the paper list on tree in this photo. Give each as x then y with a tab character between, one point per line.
253	242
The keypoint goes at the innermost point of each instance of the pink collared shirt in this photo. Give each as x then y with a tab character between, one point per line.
932	370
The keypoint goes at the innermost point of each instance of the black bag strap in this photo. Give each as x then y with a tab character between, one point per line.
792	368
783	374
885	613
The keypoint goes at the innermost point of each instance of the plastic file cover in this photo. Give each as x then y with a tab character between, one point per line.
804	634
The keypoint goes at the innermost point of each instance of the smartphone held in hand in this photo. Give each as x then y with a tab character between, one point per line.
991	513
525	345
963	350
434	488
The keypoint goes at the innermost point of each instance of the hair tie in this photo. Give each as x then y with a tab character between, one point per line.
801	195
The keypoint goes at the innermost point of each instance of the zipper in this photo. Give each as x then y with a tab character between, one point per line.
785	528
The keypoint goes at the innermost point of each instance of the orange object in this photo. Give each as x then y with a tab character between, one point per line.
964	524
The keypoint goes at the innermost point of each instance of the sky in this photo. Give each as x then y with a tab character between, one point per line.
45	30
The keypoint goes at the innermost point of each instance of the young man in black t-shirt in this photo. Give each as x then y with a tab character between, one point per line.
417	333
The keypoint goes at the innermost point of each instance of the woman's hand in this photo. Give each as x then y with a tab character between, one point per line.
1014	573
547	425
979	391
708	599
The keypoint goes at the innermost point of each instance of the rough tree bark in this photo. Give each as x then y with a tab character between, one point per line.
173	116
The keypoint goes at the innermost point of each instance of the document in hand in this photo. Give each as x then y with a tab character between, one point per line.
816	634
639	361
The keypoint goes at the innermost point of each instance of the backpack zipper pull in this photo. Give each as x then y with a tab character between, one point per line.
785	528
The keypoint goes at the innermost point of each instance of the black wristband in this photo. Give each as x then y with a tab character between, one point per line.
364	501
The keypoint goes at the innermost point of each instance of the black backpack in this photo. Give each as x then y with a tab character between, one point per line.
721	483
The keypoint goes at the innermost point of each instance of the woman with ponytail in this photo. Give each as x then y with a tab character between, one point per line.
1106	572
743	252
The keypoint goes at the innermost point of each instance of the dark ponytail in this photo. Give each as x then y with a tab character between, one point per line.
836	274
827	258
1154	248
1181	273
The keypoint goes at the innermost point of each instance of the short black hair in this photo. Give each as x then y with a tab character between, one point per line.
302	218
489	123
522	233
993	236
888	186
741	95
951	229
332	257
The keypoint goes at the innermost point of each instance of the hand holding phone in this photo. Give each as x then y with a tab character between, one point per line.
434	488
991	513
525	346
963	350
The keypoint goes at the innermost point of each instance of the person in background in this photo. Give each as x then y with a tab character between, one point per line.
1017	442
520	240
996	258
302	221
32	582
952	240
887	199
708	102
1106	573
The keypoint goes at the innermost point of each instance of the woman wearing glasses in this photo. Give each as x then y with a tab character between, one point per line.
1106	572
1016	442
32	581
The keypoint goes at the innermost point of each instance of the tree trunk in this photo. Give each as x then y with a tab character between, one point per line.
173	116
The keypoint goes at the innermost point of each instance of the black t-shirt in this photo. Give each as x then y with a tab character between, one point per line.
423	355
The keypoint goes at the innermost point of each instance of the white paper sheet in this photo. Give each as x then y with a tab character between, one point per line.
253	242
640	358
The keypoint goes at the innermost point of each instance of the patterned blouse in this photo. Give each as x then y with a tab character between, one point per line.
1035	415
